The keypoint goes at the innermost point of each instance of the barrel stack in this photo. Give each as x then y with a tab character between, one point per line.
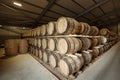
68	44
16	46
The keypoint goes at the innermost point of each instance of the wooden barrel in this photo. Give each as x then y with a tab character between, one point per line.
38	31
35	42
32	41
43	30
52	44
84	28
40	54
46	55
11	47
39	43
94	42
92	53
101	50
51	29
34	32
104	32
71	64
23	46
54	59
36	52
86	43
87	56
68	45
98	50
67	25
44	43
104	40
106	47
33	50
93	31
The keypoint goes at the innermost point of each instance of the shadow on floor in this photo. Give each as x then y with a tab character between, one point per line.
6	57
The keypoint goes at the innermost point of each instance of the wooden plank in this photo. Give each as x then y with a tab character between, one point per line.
66	36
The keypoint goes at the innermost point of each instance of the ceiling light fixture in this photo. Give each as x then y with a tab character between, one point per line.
0	25
24	28
17	4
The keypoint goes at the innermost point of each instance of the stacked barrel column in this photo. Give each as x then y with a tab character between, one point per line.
68	45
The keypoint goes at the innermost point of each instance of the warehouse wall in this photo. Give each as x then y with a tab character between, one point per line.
5	34
113	28
11	32
119	29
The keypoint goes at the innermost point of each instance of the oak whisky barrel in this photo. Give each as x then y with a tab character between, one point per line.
71	64
67	25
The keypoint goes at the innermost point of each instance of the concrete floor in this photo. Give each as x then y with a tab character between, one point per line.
107	67
22	67
25	67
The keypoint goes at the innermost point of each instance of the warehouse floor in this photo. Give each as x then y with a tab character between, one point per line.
25	67
107	67
22	67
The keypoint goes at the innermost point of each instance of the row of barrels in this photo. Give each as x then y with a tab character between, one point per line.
15	46
63	25
107	33
68	44
69	63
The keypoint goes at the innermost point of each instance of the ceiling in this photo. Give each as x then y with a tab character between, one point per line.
38	12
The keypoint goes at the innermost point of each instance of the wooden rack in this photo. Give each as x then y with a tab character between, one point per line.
59	36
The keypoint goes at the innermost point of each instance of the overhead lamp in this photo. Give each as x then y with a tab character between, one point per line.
24	28
17	4
0	25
